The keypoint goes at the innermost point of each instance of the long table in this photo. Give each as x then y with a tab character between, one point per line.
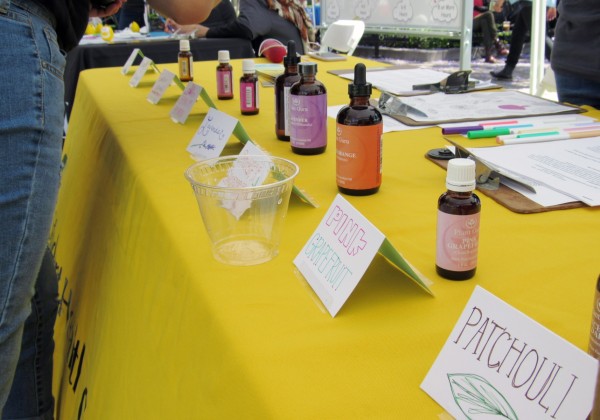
151	326
89	56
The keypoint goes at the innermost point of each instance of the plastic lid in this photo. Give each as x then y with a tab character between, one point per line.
307	69
223	56
461	175
291	58
184	44
248	66
359	87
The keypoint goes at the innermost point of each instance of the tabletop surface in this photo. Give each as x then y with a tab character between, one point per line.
169	331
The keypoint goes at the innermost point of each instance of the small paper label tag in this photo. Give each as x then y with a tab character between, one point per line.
184	104
162	84
212	135
130	61
140	72
250	169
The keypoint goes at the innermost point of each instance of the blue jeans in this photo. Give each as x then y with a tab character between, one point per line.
31	123
576	90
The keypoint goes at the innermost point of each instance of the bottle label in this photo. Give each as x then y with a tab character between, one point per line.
286	109
224	83
457	241
308	121
248	96
186	69
358	156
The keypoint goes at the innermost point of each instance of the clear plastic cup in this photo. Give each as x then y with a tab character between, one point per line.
243	222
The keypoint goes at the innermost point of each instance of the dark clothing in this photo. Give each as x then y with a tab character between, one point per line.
577	39
520	34
222	14
132	11
257	22
71	20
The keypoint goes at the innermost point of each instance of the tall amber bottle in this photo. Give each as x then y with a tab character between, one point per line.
283	84
458	223
185	61
358	140
308	112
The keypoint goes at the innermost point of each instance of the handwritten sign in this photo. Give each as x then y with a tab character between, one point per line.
212	135
338	253
500	362
186	101
162	84
130	60
140	72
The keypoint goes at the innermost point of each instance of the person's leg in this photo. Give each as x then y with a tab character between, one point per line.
34	370
517	40
576	90
31	126
489	35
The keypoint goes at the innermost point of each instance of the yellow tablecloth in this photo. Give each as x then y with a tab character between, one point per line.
151	326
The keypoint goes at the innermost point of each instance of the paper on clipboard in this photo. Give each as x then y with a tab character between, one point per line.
439	108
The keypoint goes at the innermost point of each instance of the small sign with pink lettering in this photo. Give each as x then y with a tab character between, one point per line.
499	363
339	252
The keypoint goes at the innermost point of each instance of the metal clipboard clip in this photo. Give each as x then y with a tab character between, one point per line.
392	106
487	176
457	82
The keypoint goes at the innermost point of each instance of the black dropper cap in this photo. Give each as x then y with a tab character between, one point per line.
307	69
291	58
360	87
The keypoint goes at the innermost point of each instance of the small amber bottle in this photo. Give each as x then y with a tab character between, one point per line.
458	223
224	76
283	84
358	140
249	89
308	113
186	61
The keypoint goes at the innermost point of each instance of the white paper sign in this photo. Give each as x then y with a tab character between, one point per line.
498	363
250	169
184	104
253	171
162	84
212	135
338	253
130	61
140	72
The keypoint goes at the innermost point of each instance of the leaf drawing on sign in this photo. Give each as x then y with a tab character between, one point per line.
476	397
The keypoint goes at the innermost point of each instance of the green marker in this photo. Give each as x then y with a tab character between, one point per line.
482	134
545	133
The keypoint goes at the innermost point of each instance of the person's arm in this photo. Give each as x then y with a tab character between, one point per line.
233	29
184	11
108	11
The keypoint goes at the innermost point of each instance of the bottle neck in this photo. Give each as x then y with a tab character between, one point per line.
291	68
359	100
308	78
461	194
